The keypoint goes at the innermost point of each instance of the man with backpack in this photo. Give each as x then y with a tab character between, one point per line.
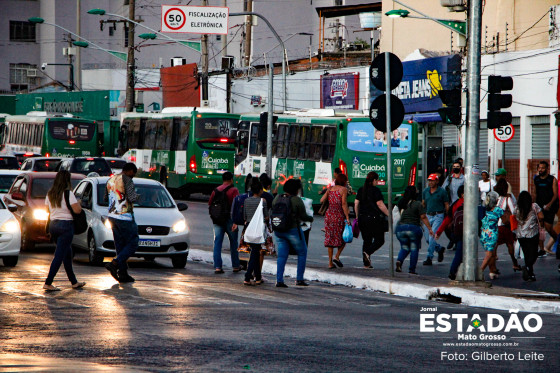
455	220
219	207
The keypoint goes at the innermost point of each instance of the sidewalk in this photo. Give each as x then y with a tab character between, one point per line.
414	286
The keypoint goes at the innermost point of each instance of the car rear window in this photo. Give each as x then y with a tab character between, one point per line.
46	165
40	187
94	165
9	163
6	182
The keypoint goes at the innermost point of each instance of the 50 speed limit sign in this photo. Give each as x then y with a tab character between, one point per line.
504	133
194	19
174	18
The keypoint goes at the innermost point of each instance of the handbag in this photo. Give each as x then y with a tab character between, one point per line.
80	220
506	216
347	235
255	230
355	228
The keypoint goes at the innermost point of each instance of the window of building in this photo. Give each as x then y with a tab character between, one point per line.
22	31
19	76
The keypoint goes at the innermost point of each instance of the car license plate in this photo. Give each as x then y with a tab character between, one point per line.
149	243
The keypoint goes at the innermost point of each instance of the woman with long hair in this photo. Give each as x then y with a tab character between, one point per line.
335	217
529	216
61	228
369	209
409	231
505	236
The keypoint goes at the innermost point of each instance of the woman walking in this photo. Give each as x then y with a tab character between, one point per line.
529	216
369	209
61	228
334	218
409	231
485	185
489	232
505	236
249	208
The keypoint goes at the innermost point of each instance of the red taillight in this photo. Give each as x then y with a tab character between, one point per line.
342	166
90	159
199	115
47	155
192	164
71	142
28	154
132	159
412	176
224	140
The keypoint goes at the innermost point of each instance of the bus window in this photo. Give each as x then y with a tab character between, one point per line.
164	129
329	139
150	134
253	141
282	147
184	128
303	142
292	141
3	134
216	128
315	144
133	137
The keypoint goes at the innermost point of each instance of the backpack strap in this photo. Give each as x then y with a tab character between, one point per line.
67	199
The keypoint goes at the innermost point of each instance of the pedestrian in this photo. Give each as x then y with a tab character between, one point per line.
546	192
293	236
219	204
455	217
249	208
489	233
529	216
409	230
336	217
453	182
436	202
121	196
370	209
61	228
485	185
308	203
460	161
501	173
505	236
266	183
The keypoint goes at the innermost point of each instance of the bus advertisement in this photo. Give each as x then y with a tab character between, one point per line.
49	135
309	145
185	149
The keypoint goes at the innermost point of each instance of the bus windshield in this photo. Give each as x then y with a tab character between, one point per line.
68	129
216	128
363	137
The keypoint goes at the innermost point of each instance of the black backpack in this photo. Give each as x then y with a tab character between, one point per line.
218	209
281	213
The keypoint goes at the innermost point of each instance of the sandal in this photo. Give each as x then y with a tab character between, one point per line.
50	288
236	269
259	282
247	283
78	285
334	267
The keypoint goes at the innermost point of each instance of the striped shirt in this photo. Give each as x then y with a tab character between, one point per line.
250	206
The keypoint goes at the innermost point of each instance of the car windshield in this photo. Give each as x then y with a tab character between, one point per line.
40	187
46	164
116	163
151	196
6	182
85	166
9	163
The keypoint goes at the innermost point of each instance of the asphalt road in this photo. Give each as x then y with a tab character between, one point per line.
193	320
546	269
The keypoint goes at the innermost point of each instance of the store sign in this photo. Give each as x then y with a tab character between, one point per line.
422	80
340	91
194	19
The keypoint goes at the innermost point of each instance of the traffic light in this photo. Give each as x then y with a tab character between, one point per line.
498	101
263	125
451	112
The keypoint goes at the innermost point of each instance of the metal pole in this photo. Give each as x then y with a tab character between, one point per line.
389	161
72	85
130	64
472	173
78	50
503	155
248	35
224	37
269	122
204	47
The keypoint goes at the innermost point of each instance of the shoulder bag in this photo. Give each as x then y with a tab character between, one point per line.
507	214
80	221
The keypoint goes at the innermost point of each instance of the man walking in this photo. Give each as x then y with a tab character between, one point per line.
501	173
436	203
546	191
219	207
454	181
121	195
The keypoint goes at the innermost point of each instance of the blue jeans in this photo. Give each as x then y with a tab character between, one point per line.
294	238
219	232
435	222
458	258
125	235
410	237
62	232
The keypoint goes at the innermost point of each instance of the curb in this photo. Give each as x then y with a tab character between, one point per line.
404	289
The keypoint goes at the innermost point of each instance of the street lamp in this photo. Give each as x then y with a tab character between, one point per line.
459	27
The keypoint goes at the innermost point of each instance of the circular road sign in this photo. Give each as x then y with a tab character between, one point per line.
378	113
504	133
174	18
377	71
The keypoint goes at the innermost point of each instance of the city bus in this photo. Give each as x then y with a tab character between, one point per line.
186	149
60	135
310	144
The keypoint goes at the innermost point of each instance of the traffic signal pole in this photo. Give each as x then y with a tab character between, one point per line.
472	171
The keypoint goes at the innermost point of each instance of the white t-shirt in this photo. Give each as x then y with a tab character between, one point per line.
485	187
62	212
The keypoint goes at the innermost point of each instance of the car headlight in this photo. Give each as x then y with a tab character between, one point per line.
106	222
10	226
40	214
180	226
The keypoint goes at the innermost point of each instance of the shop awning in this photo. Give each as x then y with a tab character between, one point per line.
423	117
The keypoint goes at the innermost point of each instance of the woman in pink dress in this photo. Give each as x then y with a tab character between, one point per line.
334	219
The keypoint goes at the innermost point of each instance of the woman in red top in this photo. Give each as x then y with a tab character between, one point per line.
458	237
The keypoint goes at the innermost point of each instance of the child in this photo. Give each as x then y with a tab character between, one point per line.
489	233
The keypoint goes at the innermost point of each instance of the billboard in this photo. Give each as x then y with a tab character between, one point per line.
340	91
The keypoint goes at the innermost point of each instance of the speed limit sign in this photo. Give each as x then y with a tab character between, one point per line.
504	133
174	18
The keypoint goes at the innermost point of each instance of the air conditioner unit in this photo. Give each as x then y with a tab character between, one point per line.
31	73
454	5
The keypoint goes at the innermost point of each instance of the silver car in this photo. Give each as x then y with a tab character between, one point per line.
162	228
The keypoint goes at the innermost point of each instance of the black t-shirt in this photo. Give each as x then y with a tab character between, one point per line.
544	190
368	200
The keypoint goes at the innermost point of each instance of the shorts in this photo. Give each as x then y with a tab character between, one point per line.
550	214
505	235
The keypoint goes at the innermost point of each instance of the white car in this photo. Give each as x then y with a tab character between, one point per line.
116	164
162	228
10	236
7	178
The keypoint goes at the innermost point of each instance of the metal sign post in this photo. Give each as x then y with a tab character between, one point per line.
389	160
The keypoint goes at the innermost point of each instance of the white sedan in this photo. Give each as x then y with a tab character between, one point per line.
10	236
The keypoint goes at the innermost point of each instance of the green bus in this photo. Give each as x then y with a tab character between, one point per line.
186	149
310	144
60	135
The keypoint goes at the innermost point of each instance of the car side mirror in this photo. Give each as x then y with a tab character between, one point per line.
12	208
18	196
182	206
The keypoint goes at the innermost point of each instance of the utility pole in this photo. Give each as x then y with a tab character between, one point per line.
248	34
130	64
224	37
204	46
78	50
69	56
472	172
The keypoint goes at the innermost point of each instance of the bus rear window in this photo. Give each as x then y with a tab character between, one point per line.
216	128
71	130
363	137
